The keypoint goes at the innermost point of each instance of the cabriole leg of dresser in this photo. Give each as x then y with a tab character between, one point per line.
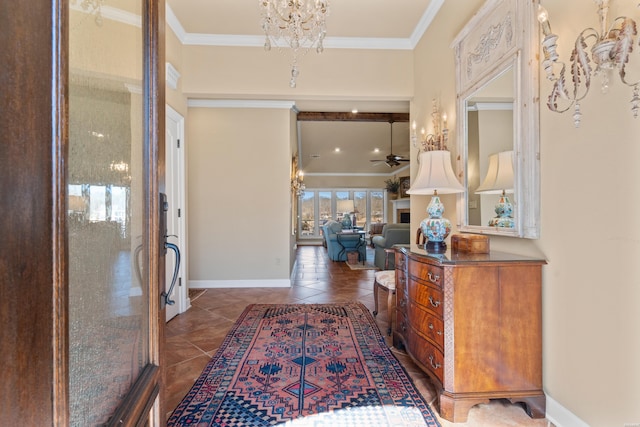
456	409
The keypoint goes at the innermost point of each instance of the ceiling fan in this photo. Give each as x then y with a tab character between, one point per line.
392	159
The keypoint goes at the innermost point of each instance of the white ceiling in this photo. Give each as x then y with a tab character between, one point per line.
375	23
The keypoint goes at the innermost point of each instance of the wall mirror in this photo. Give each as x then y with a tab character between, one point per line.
497	110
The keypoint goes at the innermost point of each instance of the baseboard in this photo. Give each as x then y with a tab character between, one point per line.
258	283
561	416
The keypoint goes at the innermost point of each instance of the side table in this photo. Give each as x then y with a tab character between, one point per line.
346	247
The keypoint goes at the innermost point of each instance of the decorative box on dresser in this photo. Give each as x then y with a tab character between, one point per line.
473	323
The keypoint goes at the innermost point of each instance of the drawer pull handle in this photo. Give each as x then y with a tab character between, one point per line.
433	365
431	327
433	278
403	326
403	303
434	303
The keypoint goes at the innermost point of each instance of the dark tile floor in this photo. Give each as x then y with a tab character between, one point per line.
193	337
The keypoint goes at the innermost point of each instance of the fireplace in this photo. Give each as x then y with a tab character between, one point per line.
403	216
401	211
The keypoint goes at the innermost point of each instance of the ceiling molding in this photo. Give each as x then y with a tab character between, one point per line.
113	14
174	24
426	20
490	106
317	116
172	75
240	103
231	40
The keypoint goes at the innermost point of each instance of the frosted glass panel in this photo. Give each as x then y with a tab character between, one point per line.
108	295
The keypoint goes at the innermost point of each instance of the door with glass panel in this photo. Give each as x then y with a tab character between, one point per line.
114	242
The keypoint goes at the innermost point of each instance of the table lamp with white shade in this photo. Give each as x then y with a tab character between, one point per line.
347	207
435	176
499	180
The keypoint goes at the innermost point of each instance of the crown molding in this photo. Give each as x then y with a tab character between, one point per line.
426	20
172	75
174	24
240	103
113	14
490	106
229	40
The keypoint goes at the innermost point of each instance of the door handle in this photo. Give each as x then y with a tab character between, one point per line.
176	250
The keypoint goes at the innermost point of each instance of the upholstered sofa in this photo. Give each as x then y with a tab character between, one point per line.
375	229
392	234
338	250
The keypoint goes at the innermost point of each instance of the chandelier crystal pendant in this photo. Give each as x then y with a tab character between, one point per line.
610	52
298	24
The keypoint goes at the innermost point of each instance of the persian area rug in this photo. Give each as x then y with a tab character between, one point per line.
303	365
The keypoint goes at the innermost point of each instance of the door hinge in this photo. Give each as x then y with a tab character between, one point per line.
178	143
179	213
179	281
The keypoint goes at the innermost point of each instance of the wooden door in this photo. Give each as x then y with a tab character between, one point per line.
83	114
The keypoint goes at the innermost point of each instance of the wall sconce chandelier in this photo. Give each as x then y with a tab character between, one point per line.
435	176
298	23
440	136
297	184
610	51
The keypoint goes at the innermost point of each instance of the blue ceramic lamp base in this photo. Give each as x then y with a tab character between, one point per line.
435	228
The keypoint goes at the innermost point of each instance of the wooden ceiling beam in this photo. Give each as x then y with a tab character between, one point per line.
317	116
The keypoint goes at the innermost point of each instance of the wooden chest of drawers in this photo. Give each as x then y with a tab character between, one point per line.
473	323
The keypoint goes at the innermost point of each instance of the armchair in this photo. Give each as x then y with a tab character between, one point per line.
375	229
337	250
392	234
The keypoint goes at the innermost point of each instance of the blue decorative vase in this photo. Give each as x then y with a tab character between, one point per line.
346	222
504	210
435	228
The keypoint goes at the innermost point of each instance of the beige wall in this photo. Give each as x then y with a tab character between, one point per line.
239	195
175	97
338	73
591	285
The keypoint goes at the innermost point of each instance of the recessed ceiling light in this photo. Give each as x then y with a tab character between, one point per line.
376	150
354	111
337	149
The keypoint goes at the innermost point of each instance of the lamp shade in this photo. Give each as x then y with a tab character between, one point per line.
435	174
345	206
499	177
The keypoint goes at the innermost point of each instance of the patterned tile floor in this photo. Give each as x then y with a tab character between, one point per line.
193	337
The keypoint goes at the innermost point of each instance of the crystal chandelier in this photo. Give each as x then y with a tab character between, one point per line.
610	52
300	24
